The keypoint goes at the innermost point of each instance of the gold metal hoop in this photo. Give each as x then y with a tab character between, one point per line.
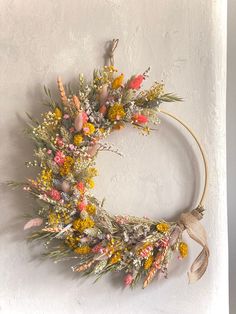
201	151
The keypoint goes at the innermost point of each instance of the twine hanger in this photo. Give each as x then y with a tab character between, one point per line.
111	50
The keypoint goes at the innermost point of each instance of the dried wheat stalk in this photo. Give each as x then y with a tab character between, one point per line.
62	92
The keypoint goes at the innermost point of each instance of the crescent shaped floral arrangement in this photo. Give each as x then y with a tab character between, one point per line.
69	219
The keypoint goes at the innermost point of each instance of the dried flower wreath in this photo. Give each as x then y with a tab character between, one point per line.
71	221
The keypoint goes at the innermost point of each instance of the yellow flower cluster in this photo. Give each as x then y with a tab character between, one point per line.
82	224
90	182
91	209
148	262
56	218
92	172
110	68
116	257
163	227
78	139
118	82
65	169
58	113
88	128
71	241
183	249
45	179
116	112
155	91
85	249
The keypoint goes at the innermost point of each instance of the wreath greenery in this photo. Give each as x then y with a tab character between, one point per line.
70	220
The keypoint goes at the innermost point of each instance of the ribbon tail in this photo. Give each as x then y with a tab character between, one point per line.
196	232
199	266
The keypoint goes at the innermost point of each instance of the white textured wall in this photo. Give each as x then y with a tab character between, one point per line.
184	42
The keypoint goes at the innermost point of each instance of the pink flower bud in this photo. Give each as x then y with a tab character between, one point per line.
66	116
59	141
128	279
71	146
97	248
55	195
85	117
136	82
80	186
59	158
81	206
79	121
103	94
92	150
140	118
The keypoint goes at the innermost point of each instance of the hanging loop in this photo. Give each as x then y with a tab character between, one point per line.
113	47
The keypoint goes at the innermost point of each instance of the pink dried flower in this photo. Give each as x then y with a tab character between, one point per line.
164	242
84	117
97	248
55	194
120	220
136	82
72	129
80	186
49	152
140	118
59	158
146	251
71	146
128	279
66	116
81	205
59	141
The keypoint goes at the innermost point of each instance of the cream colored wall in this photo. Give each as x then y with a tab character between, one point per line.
184	43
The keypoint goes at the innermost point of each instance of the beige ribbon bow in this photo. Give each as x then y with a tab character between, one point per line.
196	231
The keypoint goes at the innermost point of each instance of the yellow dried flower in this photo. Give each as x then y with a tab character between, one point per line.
183	249
69	161
45	179
88	128
163	227
82	250
102	130
91	209
110	68
78	139
53	219
116	257
155	91
91	183
71	241
118	81
82	224
58	113
116	112
65	169
92	172
56	218
148	262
